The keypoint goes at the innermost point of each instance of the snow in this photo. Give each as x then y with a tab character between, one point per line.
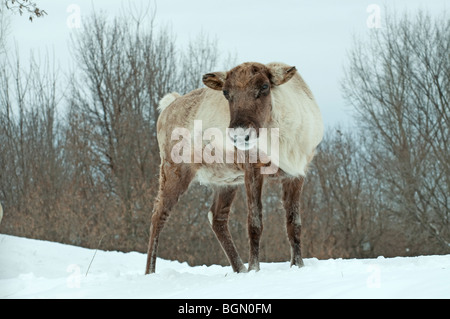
40	269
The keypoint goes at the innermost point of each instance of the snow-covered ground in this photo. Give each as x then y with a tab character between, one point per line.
41	269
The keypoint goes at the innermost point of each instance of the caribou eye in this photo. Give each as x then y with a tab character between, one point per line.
226	94
263	90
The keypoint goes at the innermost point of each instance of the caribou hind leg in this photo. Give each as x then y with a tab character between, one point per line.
173	182
218	217
292	189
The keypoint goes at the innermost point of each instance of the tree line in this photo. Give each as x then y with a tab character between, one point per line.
79	157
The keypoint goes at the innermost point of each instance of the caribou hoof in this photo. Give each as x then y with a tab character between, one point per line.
299	263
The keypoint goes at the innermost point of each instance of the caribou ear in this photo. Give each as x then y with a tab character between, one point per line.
281	73
214	80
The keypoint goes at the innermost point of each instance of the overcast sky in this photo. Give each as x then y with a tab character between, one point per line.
312	35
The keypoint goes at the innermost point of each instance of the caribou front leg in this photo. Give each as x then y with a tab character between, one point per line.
292	189
218	217
253	184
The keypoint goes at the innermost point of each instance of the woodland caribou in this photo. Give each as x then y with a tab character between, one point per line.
239	106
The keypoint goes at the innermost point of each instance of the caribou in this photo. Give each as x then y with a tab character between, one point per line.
231	118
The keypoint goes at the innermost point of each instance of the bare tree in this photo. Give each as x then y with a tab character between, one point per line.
4	31
343	214
126	66
93	172
21	6
32	177
399	85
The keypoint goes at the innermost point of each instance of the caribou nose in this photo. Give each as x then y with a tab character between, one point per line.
242	138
